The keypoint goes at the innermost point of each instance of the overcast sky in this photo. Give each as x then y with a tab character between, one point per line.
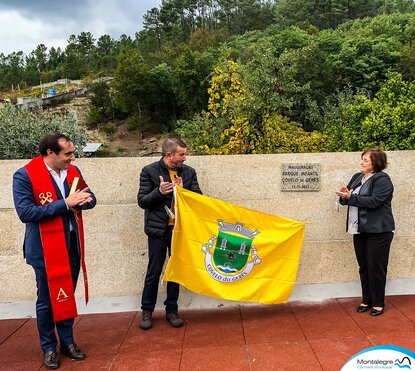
24	24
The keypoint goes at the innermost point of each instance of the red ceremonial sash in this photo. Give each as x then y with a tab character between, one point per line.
53	240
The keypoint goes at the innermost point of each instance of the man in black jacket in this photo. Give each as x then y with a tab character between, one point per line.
155	196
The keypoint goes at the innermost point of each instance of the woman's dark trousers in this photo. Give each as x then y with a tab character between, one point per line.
372	253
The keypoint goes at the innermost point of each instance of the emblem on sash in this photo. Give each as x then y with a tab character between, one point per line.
45	197
233	256
62	295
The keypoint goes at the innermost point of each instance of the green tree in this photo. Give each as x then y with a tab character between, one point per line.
12	69
192	80
131	83
162	104
324	14
407	63
236	123
100	106
152	24
124	41
74	65
103	56
85	43
32	74
386	121
364	61
78	55
176	20
55	58
397	6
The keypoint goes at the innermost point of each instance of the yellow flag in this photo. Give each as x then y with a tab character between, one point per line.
231	252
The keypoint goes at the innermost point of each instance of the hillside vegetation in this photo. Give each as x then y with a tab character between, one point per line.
249	76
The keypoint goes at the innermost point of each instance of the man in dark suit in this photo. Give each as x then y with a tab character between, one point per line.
155	195
49	195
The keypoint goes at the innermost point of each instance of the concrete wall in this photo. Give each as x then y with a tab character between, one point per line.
117	248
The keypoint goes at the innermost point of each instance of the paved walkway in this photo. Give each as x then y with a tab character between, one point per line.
294	336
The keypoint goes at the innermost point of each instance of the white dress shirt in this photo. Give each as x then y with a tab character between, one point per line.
59	180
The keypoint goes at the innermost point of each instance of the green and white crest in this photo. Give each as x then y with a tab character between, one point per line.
233	255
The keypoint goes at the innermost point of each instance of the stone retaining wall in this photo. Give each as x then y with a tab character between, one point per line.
116	244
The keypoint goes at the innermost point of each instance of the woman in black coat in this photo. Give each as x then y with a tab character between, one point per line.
370	221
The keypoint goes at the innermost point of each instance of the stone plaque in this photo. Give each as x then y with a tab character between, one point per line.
300	177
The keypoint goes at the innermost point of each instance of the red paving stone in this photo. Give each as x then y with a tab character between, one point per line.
391	322
403	339
405	304
334	353
232	357
161	360
94	362
270	324
19	346
294	336
213	328
160	338
9	327
325	320
283	356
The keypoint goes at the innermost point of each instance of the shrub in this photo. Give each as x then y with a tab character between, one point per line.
109	128
21	131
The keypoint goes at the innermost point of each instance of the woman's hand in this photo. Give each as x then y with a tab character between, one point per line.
344	193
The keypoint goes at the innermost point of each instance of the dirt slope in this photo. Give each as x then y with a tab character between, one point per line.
122	142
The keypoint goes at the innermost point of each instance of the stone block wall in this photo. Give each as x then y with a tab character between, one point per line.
116	246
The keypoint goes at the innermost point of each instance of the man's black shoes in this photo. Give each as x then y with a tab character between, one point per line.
51	360
146	321
73	352
174	319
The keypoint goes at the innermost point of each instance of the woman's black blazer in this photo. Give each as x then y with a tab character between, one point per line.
374	202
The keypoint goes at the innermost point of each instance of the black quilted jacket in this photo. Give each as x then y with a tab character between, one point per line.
152	201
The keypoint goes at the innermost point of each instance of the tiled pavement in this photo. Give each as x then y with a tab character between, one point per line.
293	336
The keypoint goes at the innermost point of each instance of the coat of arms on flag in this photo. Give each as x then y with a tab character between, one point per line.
231	252
233	255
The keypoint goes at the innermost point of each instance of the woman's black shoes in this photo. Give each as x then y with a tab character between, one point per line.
362	308
373	312
376	312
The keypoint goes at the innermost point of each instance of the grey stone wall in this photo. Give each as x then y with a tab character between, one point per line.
116	244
